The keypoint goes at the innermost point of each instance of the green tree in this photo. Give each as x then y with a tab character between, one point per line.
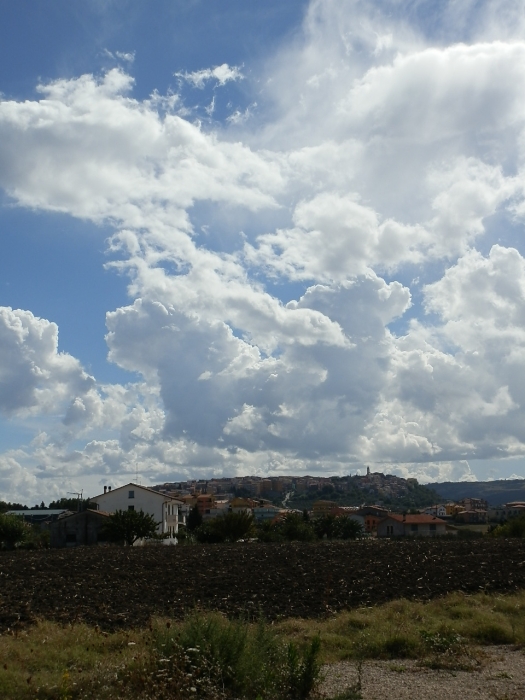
209	533
68	503
13	530
293	528
515	527
347	529
325	526
6	505
194	519
128	526
267	531
230	527
338	527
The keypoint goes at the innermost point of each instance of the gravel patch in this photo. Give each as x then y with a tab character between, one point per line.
500	676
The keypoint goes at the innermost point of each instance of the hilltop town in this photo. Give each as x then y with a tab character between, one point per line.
379	505
301	492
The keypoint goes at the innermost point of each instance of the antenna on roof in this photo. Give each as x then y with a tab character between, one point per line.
79	497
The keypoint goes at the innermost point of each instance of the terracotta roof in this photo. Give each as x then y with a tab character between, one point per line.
415	519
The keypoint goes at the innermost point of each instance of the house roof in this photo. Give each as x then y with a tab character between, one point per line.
414	519
41	513
137	486
103	513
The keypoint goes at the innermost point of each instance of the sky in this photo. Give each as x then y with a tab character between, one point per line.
260	238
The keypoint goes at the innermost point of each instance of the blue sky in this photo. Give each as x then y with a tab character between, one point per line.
260	238
45	256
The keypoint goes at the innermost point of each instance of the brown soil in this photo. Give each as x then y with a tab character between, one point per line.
115	587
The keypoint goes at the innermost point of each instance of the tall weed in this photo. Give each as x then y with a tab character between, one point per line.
247	660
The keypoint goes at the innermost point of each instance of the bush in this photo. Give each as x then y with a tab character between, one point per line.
13	530
339	527
230	527
35	538
512	528
246	660
493	633
292	527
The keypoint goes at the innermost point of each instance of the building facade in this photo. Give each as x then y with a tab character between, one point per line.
411	526
167	511
75	529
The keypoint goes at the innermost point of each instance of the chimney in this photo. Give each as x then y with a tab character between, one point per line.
105	489
109	488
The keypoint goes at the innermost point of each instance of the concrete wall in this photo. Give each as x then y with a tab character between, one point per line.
77	529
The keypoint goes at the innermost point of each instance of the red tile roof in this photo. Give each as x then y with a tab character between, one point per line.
415	519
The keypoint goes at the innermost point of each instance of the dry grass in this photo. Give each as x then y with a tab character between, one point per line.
206	656
50	660
53	662
410	629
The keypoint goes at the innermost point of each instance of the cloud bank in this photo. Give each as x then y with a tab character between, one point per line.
356	295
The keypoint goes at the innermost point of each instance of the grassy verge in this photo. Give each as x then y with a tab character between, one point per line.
209	657
410	629
206	657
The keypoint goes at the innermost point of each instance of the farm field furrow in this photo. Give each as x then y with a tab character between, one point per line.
123	587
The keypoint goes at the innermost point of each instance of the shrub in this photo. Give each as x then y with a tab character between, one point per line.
512	528
492	633
13	530
230	527
303	673
246	660
292	527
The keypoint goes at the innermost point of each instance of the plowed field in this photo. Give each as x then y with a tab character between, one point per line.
114	587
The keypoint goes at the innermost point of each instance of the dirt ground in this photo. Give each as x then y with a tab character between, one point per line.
499	675
115	587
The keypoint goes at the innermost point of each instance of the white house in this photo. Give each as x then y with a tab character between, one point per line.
413	526
166	510
439	511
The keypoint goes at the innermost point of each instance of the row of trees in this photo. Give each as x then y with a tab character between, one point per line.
73	504
232	527
126	527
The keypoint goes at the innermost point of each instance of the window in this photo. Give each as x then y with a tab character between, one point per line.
414	527
131	507
389	529
432	527
131	494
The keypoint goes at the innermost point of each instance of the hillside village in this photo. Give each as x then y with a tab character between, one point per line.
380	510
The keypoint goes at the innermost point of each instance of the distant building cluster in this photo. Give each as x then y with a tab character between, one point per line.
170	505
380	486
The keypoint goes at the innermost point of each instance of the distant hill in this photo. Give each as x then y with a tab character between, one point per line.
391	491
495	492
